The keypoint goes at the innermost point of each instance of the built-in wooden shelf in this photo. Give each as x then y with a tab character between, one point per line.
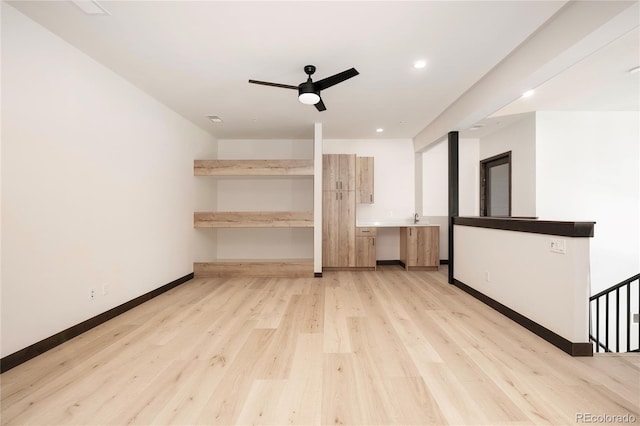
255	268
283	219
253	167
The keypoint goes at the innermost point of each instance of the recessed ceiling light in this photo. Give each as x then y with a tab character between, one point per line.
214	118
528	93
634	70
91	7
420	64
379	130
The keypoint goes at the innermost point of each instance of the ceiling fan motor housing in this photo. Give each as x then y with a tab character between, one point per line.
306	91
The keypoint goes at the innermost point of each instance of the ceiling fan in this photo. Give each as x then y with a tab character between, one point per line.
309	91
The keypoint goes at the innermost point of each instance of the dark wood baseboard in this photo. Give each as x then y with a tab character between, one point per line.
444	262
24	355
317	275
572	348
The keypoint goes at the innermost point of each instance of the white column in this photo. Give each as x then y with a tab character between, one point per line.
317	199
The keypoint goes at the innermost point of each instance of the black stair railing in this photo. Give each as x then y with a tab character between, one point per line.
605	307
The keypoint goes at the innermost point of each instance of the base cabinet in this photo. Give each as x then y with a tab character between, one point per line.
420	248
366	248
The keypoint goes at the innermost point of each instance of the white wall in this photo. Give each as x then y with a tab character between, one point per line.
549	288
435	180
435	184
394	161
587	168
518	137
264	194
97	182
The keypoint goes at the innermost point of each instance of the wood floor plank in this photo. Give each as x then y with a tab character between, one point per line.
302	397
385	347
227	399
260	407
411	399
352	394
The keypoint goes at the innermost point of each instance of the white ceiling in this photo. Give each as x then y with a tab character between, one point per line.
196	57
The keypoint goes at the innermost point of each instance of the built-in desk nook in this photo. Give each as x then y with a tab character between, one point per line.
419	243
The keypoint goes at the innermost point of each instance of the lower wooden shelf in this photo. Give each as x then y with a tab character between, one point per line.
255	268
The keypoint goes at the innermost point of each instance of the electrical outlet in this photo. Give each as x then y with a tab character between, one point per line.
105	289
558	246
92	295
636	318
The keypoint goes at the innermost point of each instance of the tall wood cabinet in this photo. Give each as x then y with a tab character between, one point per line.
419	247
338	210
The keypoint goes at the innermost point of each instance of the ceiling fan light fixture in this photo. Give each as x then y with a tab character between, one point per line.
309	98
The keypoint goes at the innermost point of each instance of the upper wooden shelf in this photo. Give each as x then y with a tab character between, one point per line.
253	167
286	219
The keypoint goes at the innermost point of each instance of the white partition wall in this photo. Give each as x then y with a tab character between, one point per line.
518	270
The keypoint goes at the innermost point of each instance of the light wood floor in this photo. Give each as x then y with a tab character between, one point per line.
369	348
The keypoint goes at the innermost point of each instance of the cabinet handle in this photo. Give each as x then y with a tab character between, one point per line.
340	184
371	197
373	241
341	195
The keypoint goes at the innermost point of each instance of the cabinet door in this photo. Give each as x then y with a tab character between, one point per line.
347	231
330	228
330	172
365	252
412	246
427	246
364	180
347	173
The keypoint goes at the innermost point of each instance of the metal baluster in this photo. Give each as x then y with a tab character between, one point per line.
629	322
617	320
606	323
598	324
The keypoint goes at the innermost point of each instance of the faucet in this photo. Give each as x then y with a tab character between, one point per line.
416	218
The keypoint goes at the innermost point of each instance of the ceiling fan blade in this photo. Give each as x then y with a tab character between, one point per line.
266	83
320	106
335	79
